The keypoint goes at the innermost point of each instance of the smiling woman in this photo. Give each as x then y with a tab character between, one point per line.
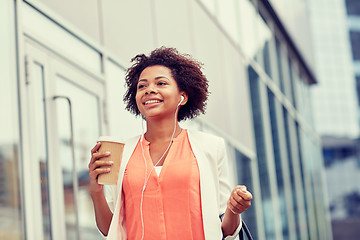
182	68
189	197
157	92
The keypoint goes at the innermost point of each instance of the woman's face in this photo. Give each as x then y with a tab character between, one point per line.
157	94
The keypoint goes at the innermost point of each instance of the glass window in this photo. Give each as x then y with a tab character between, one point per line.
299	86
36	24
292	82
41	149
11	221
353	7
85	108
266	58
301	165
358	88
285	73
310	157
243	166
279	57
278	165
291	169
355	44
265	45
268	213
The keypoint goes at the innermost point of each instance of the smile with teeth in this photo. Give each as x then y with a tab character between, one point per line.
152	101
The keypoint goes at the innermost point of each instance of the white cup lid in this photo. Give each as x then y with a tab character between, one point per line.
110	139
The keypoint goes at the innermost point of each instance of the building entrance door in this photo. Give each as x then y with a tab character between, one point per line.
62	118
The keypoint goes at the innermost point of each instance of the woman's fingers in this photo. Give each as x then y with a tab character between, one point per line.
244	194
99	164
94	174
94	152
240	200
234	206
96	147
96	156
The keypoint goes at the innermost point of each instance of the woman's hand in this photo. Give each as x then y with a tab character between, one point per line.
103	214
239	200
96	167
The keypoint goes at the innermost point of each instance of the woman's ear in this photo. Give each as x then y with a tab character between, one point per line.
185	96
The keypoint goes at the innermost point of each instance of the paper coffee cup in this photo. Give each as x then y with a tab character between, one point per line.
115	146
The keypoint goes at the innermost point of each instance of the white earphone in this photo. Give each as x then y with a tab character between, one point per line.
181	100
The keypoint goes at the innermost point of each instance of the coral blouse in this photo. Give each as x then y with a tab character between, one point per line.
172	201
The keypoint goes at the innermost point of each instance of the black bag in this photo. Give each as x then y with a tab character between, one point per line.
245	230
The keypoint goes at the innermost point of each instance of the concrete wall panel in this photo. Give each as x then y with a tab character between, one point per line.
83	14
173	24
128	27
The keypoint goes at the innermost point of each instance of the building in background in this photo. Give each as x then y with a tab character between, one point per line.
63	67
335	28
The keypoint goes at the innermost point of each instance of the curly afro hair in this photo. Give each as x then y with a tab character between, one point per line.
185	70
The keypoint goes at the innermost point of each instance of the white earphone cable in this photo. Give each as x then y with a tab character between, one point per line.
148	176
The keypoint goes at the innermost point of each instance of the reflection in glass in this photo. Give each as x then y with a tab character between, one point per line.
266	58
353	7
40	139
292	175
243	165
279	57
85	110
303	185
278	165
10	203
299	92
291	82
308	155
11	221
263	170
358	88
265	36
355	44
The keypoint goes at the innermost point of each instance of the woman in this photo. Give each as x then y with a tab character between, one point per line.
172	182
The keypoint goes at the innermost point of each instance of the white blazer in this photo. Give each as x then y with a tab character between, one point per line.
215	190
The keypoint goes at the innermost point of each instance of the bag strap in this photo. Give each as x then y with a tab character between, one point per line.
244	229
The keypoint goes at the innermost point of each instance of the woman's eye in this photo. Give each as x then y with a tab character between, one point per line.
141	86
161	83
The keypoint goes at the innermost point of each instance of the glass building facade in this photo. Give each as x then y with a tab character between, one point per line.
335	32
353	19
63	70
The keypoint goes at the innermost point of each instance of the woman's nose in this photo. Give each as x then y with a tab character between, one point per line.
150	89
